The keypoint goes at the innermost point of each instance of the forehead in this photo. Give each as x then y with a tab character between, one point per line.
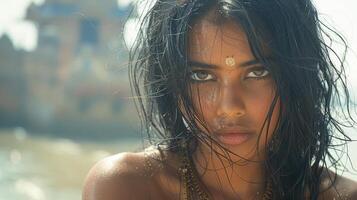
209	39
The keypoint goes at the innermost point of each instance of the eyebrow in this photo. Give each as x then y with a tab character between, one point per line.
206	65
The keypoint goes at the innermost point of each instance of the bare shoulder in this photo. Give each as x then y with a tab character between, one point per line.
342	188
122	176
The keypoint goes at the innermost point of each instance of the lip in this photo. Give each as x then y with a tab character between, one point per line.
233	137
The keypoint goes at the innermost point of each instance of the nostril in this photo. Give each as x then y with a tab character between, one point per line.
231	109
227	120
230	101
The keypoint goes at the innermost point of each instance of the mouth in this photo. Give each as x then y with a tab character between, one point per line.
233	137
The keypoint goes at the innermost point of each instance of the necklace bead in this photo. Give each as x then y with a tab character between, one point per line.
192	189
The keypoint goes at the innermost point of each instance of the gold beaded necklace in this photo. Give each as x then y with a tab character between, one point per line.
191	189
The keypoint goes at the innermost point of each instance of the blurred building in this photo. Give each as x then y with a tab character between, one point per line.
13	91
77	77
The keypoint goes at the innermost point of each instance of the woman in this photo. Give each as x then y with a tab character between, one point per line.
238	97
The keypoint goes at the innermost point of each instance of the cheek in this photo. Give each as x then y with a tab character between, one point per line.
258	103
205	98
256	98
258	106
258	111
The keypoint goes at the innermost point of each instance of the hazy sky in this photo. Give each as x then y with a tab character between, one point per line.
12	23
24	33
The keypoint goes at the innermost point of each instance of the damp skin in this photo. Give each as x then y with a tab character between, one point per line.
230	97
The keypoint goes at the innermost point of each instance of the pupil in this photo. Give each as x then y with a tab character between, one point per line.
259	73
201	75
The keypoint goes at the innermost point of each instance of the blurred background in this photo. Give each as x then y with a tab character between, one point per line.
65	100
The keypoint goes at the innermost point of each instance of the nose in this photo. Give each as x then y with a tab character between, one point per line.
231	103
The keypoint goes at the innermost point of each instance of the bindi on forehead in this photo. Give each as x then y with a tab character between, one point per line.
230	61
242	64
226	44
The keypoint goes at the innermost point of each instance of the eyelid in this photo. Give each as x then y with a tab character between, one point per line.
204	71
258	68
211	72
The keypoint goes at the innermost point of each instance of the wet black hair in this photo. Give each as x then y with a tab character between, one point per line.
309	76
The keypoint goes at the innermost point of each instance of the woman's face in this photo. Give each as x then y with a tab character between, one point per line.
231	91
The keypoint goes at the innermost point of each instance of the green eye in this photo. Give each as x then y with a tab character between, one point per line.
201	76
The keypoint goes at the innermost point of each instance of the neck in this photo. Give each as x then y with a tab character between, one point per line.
222	177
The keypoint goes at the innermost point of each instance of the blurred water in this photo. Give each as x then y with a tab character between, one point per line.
43	168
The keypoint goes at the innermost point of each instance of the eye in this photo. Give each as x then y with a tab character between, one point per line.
258	73
201	76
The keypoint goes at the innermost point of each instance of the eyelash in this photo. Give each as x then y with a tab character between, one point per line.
194	73
266	74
